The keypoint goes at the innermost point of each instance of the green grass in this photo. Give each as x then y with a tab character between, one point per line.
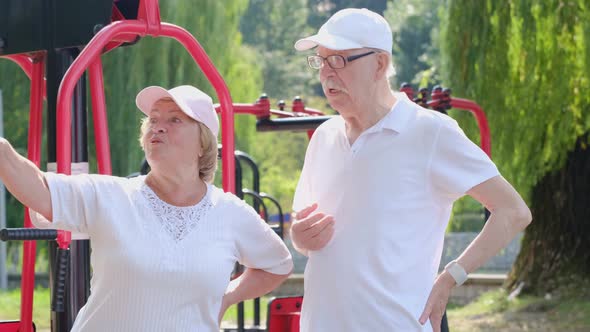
231	315
490	312
493	311
10	308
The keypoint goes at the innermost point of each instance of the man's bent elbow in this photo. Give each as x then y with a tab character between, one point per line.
523	216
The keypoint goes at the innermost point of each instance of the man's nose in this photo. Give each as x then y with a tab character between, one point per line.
326	71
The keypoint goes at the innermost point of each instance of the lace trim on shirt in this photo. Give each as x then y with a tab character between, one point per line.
178	221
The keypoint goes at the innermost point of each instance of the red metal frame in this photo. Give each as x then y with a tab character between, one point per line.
482	122
99	116
440	98
26	64
33	66
261	109
34	155
284	314
92	51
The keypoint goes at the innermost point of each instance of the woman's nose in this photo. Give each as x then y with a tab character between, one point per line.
158	128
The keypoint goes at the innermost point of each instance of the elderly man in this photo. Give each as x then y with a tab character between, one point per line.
376	192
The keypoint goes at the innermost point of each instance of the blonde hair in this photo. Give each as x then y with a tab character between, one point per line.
208	159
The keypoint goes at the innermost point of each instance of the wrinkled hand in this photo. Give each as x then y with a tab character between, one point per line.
437	301
311	231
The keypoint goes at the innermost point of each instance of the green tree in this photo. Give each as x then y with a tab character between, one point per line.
271	28
527	63
15	97
415	49
165	62
321	10
150	62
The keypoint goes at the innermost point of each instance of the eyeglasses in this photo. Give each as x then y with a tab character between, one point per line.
335	61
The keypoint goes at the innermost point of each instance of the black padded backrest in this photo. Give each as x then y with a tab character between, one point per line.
35	25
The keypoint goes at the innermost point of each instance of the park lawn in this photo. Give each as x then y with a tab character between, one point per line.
10	306
10	309
493	311
490	312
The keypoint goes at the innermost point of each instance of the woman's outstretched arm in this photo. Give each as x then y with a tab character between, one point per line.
24	180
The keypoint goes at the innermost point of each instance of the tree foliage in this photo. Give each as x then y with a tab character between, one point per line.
526	63
150	62
414	25
271	28
165	62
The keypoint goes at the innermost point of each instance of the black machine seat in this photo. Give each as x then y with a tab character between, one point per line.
37	25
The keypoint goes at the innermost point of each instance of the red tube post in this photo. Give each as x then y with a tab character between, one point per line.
99	116
34	155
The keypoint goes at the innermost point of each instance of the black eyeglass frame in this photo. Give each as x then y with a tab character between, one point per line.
344	60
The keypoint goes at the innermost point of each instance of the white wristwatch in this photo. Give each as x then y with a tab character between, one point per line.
457	272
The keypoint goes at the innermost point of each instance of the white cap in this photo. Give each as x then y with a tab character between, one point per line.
192	101
349	29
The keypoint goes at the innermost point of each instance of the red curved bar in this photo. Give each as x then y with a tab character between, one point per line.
99	117
482	121
227	116
73	74
23	61
26	64
92	51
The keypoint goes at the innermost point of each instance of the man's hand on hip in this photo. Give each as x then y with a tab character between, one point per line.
311	230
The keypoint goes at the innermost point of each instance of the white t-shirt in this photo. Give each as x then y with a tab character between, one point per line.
391	195
157	267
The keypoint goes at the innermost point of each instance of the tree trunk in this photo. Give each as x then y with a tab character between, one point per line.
555	250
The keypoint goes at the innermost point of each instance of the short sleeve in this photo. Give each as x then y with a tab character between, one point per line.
303	192
458	164
258	246
73	201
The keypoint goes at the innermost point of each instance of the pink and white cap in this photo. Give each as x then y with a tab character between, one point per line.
192	101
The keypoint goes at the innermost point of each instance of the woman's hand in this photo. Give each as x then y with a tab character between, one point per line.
251	284
437	301
225	304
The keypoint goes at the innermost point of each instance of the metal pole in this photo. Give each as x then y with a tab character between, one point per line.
3	272
78	288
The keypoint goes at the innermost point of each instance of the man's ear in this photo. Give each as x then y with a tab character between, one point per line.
382	65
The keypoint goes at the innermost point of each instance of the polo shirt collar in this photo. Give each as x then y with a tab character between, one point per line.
398	117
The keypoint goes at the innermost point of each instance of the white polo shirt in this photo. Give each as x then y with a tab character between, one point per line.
391	195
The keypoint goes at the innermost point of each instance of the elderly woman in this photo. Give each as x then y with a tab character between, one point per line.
163	245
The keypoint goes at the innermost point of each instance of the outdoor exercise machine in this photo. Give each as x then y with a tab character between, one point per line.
55	42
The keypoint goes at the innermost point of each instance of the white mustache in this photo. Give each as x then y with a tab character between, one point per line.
331	84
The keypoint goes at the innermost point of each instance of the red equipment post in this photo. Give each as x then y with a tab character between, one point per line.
34	155
139	27
482	122
99	116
